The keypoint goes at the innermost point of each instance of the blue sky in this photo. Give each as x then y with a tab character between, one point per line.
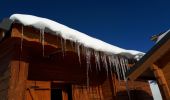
125	23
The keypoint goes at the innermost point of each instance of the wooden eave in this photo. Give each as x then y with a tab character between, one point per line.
155	54
29	39
64	67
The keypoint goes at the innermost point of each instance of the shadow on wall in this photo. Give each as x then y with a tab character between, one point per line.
134	95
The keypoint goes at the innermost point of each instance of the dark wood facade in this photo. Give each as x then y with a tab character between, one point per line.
27	74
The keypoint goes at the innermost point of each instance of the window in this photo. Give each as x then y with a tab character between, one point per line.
56	94
60	91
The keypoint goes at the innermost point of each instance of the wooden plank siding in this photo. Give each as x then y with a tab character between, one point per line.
4	84
38	90
87	93
17	85
139	90
28	75
6	55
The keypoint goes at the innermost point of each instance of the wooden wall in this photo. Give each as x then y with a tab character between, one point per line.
6	54
38	90
4	85
24	68
139	90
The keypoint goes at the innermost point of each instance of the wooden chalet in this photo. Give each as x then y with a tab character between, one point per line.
155	65
36	69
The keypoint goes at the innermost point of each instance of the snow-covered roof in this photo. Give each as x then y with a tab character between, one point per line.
162	35
70	34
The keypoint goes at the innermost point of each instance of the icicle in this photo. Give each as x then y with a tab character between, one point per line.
62	46
104	61
126	62
117	68
122	65
110	64
127	88
22	36
65	44
112	59
97	60
42	39
78	52
72	44
124	77
88	63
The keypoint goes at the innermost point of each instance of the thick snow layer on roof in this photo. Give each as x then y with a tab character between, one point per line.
162	35
70	34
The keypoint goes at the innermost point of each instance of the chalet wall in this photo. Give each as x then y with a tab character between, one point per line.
4	84
108	89
84	93
19	65
139	90
6	54
38	90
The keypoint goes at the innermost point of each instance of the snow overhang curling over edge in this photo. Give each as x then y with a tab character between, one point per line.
73	35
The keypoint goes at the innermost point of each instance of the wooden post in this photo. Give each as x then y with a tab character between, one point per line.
163	86
17	85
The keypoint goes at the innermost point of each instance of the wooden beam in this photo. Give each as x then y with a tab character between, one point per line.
151	59
162	83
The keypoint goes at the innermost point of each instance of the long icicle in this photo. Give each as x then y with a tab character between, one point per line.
62	47
125	79
117	68
78	52
97	60
22	36
42	34
65	44
104	60
88	62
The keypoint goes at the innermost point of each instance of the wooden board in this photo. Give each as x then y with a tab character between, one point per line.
17	85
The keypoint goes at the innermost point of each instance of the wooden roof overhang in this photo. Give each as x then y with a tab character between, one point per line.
60	60
56	63
159	55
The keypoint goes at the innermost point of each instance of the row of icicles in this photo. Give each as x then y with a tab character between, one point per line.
117	63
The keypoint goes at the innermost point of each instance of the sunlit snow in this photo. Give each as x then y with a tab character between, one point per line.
70	34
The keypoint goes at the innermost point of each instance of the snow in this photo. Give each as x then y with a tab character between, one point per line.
161	36
71	34
155	91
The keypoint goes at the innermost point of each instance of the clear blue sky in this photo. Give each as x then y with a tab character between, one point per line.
125	23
